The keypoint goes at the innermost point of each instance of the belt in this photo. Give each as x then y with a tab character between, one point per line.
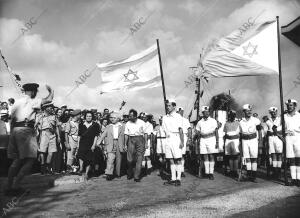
115	139
209	135
232	136
161	137
135	136
272	133
249	136
25	124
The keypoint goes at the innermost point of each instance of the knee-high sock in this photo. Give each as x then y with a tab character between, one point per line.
254	166
279	163
248	165
211	167
149	165
274	163
178	169
173	172
298	172
206	166
293	172
182	165
143	163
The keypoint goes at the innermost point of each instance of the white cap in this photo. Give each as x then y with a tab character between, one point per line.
172	100
274	109
205	108
4	112
291	101
247	107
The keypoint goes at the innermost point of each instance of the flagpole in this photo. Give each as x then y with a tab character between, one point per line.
281	102
162	76
198	98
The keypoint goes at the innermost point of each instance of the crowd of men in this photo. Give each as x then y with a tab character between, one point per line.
87	142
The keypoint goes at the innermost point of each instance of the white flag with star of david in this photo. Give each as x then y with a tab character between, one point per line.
251	50
137	72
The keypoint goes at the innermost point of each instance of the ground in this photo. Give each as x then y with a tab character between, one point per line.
223	197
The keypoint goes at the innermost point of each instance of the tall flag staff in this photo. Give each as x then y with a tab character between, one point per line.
162	76
281	102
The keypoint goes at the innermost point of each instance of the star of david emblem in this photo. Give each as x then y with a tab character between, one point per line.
250	50
130	76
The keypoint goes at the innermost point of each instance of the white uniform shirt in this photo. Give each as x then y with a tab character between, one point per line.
25	108
171	123
277	122
207	126
116	130
292	123
135	129
149	128
185	125
249	126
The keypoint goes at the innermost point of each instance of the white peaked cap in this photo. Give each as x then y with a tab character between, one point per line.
291	101
273	109
247	107
205	108
172	100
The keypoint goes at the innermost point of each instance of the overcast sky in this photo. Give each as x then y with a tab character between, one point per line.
71	36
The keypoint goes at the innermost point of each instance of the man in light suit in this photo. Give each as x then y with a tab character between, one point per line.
114	146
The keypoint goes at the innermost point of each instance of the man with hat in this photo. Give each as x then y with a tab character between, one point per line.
187	132
275	144
49	136
232	142
207	130
23	144
249	126
172	125
292	125
71	138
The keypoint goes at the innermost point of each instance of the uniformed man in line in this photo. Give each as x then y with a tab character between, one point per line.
249	126
207	130
149	131
49	137
187	132
160	146
71	139
171	124
232	142
23	145
292	125
275	144
135	144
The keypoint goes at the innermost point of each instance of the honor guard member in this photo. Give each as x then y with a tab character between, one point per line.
160	145
149	131
187	132
171	124
71	138
232	142
249	126
292	125
49	136
135	143
23	145
207	130
275	144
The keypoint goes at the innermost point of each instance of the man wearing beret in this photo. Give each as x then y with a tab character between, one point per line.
275	144
23	145
249	126
292	125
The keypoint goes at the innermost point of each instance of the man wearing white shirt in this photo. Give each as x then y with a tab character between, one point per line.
23	144
187	132
160	145
275	144
249	126
292	125
149	130
207	129
136	142
171	124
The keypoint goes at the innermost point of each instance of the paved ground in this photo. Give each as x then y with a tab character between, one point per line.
150	198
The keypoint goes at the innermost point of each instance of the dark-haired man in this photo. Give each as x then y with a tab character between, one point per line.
135	140
23	144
